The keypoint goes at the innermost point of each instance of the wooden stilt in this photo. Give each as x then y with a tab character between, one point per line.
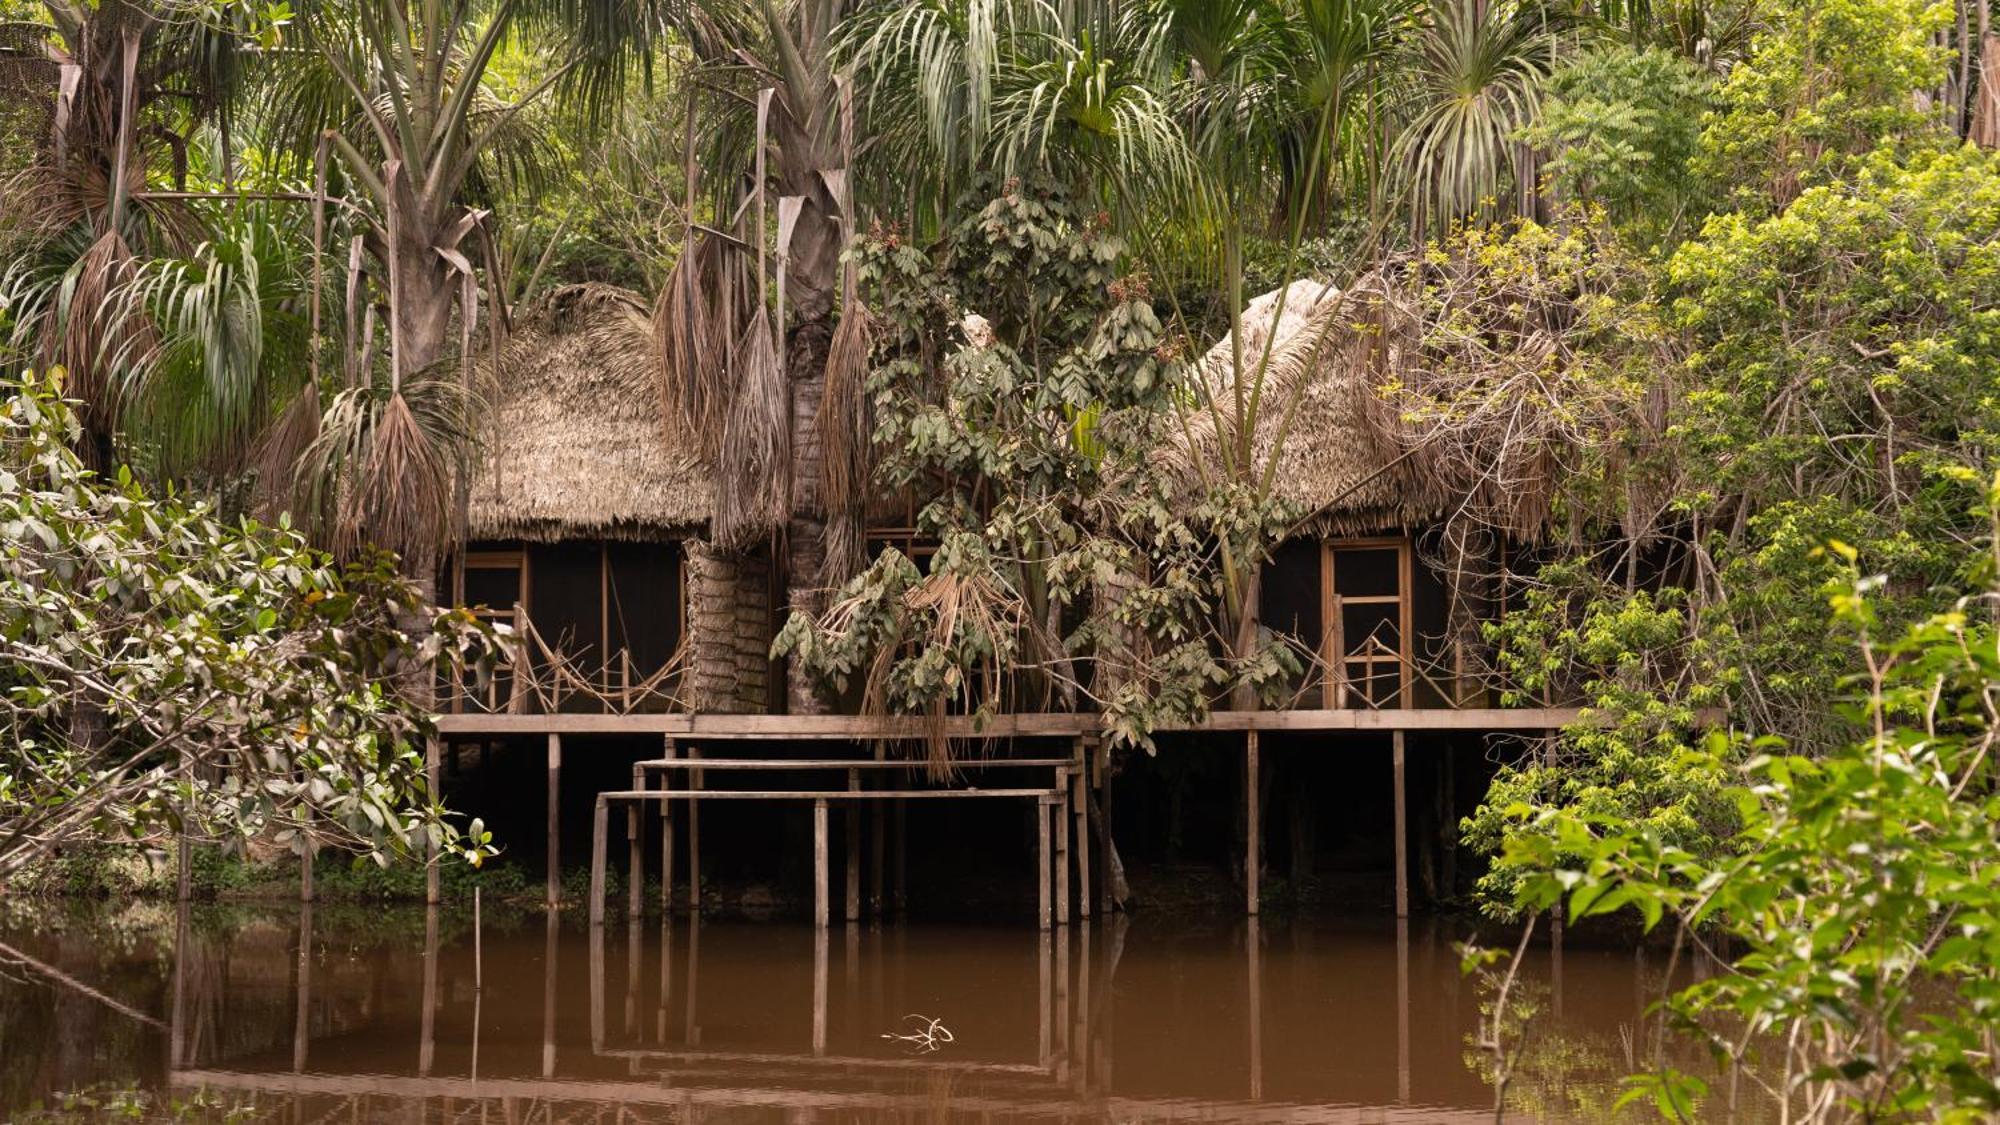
853	818
1044	996
427	1045
599	829
184	851
554	827
876	848
635	850
1108	845
306	871
1079	798
1042	862
432	776
1253	843
821	938
1402	1010
1402	840
549	996
1253	945
694	839
302	1015
668	751
1058	809
820	890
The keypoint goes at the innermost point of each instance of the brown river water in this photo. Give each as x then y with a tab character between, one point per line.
336	1014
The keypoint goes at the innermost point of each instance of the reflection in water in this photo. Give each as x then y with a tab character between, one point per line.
414	1015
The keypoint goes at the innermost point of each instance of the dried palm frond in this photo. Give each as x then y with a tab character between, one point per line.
752	473
692	329
277	454
381	470
90	339
846	436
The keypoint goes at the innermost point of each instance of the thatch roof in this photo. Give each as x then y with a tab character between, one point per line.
1391	427
578	446
1342	461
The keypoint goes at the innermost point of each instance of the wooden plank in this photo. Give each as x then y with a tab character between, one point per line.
706	795
555	819
854	728
820	889
1253	840
1402	840
666	765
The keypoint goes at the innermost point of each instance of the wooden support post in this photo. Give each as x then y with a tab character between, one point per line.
694	838
821	938
1253	947
599	829
635	857
1253	859
554	827
1058	808
1108	856
1042	862
1402	839
876	846
820	890
433	777
1079	798
667	837
853	849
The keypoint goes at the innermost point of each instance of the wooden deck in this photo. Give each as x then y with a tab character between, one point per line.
850	728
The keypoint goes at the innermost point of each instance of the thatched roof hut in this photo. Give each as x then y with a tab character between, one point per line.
577	446
1369	428
1341	458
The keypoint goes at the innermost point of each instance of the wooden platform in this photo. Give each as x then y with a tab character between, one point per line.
713	727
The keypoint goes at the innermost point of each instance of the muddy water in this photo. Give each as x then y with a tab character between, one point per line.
396	1014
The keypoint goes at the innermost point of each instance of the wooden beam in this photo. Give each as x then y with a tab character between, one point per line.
766	765
1402	839
1253	859
855	728
554	826
705	795
820	890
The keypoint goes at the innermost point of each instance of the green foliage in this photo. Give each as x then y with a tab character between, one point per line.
1857	899
1826	83
1633	758
1022	381
161	670
1620	126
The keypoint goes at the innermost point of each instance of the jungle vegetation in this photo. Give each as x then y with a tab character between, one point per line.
1712	287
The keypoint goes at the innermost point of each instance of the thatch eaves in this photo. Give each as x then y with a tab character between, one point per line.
1341	456
577	446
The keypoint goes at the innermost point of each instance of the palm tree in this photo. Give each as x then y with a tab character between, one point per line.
401	102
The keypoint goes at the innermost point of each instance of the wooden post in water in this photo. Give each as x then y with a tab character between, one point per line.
1058	808
667	834
1079	798
554	826
1253	859
694	838
1253	947
436	782
1402	840
876	843
1042	861
306	869
821	937
427	1044
854	849
635	859
820	890
549	996
600	826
